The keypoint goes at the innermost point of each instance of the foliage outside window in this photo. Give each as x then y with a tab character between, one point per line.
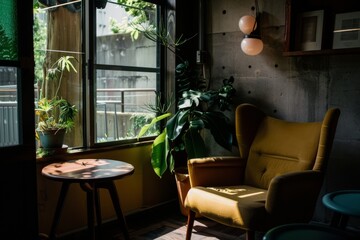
9	77
58	35
127	70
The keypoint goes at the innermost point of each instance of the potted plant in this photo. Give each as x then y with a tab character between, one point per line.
181	138
197	109
55	114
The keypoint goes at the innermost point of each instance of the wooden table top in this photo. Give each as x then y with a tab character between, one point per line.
87	170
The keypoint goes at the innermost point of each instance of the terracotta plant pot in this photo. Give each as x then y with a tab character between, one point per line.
183	186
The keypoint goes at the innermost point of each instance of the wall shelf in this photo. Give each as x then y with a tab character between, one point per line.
322	52
294	9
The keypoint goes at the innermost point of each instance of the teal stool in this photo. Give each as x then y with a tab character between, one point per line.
299	231
344	204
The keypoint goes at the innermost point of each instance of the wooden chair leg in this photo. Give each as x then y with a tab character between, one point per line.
190	224
250	235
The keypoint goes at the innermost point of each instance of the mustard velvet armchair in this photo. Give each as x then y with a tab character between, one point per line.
276	179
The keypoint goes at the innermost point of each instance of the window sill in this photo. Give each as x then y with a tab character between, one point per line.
73	153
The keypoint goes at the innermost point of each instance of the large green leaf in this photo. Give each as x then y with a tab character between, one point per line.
158	156
218	125
208	96
190	99
195	145
177	124
146	127
171	160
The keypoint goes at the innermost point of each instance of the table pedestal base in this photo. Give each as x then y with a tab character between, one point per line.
306	231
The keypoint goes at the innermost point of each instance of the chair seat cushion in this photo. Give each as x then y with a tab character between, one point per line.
237	206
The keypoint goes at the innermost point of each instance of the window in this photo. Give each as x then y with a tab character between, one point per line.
9	124
58	33
118	68
126	70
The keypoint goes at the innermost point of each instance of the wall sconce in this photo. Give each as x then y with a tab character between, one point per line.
251	44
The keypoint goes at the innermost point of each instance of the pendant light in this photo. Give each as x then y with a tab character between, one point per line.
251	44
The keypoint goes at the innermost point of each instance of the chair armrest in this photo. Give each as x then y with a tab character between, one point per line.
294	195
216	171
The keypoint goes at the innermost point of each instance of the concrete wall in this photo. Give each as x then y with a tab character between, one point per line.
292	88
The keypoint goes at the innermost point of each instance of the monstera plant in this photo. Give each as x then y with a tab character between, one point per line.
181	138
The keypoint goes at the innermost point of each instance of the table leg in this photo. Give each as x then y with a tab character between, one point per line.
116	203
343	221
90	199
59	207
98	209
339	220
335	219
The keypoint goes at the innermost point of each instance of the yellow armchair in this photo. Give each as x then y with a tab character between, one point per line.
275	180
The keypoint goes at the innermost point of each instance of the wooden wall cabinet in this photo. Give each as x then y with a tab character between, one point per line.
295	8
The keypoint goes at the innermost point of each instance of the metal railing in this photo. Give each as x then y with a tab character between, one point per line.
9	128
108	107
113	106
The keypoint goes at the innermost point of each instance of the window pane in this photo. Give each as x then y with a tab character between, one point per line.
57	34
118	41
121	103
9	130
8	30
127	71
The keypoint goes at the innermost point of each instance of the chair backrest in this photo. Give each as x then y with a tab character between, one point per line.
274	146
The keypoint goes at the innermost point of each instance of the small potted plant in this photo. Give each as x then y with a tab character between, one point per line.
55	115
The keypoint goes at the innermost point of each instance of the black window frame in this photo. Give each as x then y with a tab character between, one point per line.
25	71
91	67
19	204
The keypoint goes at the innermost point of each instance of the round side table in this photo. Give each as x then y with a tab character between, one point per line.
91	174
299	231
343	203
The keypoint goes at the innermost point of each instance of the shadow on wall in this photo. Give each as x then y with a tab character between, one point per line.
342	173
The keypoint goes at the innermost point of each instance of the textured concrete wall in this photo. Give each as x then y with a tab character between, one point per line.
292	88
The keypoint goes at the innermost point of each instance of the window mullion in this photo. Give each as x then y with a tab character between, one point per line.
90	33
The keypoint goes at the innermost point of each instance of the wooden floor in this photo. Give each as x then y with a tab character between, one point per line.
163	223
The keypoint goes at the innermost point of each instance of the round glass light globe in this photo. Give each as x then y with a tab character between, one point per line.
252	46
246	24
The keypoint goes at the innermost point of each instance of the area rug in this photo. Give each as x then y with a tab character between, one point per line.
176	230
